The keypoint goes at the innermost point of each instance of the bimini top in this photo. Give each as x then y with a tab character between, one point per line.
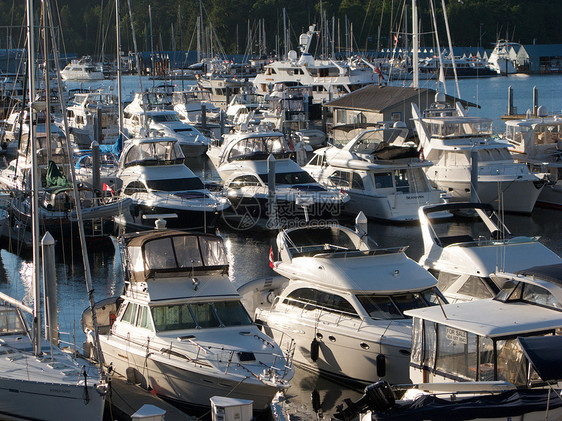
550	273
152	151
166	253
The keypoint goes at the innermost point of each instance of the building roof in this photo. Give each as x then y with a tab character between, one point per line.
382	98
541	50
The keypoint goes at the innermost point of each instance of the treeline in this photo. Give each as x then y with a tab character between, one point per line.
243	26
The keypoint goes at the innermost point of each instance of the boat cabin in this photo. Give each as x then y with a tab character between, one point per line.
153	151
255	146
478	341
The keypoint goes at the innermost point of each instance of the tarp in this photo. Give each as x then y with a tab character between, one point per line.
544	354
55	178
114	148
508	404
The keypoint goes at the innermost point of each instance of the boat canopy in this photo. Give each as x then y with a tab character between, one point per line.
544	354
167	252
153	151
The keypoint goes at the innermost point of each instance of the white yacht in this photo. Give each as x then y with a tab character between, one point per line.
451	140
382	174
487	360
83	113
328	78
48	386
181	329
343	299
537	142
140	120
243	164
500	59
463	257
154	176
81	70
17	130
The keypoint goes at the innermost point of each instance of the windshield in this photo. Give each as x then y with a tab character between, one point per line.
176	184
162	118
154	153
200	315
10	322
528	293
258	148
298	177
393	306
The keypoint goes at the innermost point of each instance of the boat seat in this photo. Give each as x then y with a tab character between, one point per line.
454	239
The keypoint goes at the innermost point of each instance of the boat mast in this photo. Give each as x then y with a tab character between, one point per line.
77	204
119	87
36	324
415	62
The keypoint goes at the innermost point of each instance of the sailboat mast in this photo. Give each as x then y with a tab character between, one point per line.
415	46
36	324
119	87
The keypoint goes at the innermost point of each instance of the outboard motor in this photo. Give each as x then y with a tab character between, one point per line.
377	397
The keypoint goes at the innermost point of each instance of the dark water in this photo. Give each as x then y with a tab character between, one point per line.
248	251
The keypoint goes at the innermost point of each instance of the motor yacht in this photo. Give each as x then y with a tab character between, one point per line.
537	142
329	78
142	119
81	70
456	142
463	256
180	328
154	176
492	359
342	299
83	115
500	58
243	164
382	174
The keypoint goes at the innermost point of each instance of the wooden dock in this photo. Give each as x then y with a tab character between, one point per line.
127	398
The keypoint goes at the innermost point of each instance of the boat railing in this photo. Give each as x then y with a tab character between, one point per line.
333	250
220	357
285	342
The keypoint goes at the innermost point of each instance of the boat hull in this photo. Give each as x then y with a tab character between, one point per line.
48	401
515	195
187	387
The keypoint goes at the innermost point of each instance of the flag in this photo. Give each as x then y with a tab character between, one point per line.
105	187
271	259
395	40
422	157
378	71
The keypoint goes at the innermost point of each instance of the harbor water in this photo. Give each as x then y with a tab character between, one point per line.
248	251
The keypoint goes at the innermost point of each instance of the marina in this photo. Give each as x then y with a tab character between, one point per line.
300	237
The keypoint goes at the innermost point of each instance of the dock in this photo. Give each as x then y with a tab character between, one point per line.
127	398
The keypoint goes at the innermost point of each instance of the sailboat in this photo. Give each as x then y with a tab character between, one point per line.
36	384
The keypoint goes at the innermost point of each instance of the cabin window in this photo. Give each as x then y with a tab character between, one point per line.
511	363
129	314
204	315
134	187
176	184
213	251
244	181
159	254
383	180
396	116
173	317
144	320
309	299
528	293
357	182
340	179
380	307
186	251
289	178
10	322
486	363
316	160
232	313
475	287
456	352
402	182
